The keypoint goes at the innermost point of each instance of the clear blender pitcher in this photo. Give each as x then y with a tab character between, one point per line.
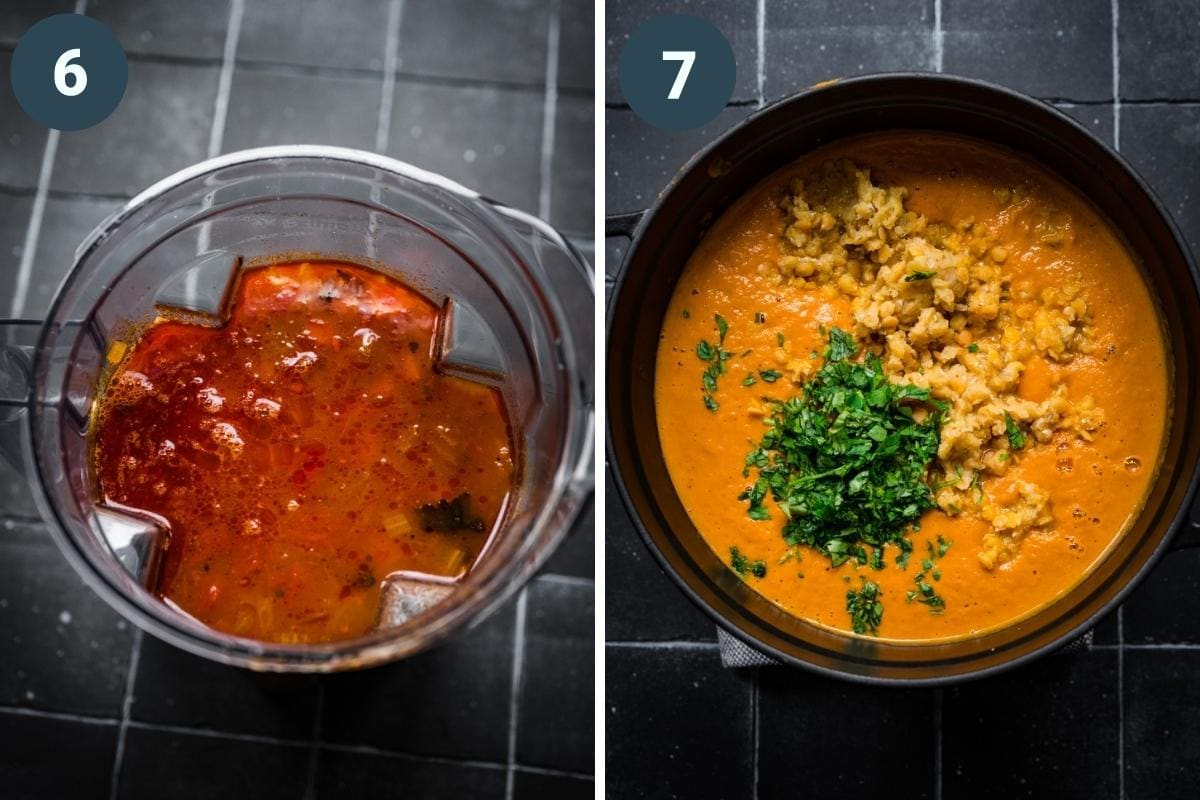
518	313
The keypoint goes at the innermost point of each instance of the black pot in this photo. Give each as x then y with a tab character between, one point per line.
773	138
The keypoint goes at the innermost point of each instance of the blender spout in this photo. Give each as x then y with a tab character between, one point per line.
137	540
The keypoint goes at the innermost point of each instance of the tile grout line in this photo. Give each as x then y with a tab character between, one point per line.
314	744
756	726
760	34
514	696
391	54
566	580
216	133
937	744
34	229
549	111
1121	701
679	645
1116	74
38	713
211	733
939	36
135	657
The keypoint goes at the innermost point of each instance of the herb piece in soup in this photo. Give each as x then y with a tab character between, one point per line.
742	565
866	608
1016	437
846	460
447	516
918	275
716	356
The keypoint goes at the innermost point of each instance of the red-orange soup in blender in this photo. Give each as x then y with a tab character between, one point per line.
302	451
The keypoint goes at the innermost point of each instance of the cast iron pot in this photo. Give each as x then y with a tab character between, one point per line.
773	138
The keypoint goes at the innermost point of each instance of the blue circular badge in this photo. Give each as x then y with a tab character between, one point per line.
69	72
677	72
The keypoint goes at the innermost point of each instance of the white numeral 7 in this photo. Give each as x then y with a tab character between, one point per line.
685	58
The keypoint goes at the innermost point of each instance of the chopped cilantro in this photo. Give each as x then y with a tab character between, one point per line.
687	314
779	339
742	565
918	275
749	380
1016	438
769	375
973	347
716	356
846	460
865	607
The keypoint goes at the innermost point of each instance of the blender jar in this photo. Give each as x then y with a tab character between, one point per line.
518	311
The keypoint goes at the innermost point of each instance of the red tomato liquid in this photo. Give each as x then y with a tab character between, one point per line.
302	451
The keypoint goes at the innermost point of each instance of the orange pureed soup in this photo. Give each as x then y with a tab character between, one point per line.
964	271
302	451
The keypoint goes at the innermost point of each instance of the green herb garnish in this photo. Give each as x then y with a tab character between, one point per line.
918	275
716	356
865	607
845	461
973	347
749	380
1016	438
742	565
769	375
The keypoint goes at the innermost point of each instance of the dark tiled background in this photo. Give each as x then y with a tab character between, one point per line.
1121	719
90	708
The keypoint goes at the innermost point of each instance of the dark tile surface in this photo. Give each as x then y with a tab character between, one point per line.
823	719
1045	49
573	170
1154	613
538	785
1161	142
1098	119
269	108
185	766
506	40
14	222
576	46
23	140
177	688
556	724
641	159
17	15
678	725
1161	723
1158	45
615	248
79	764
454	700
64	650
487	138
576	555
634	582
166	27
349	34
811	42
65	224
1004	736
350	774
161	126
736	19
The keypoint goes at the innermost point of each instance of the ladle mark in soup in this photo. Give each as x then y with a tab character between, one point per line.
302	451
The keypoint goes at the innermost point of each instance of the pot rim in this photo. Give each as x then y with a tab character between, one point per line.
883	80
